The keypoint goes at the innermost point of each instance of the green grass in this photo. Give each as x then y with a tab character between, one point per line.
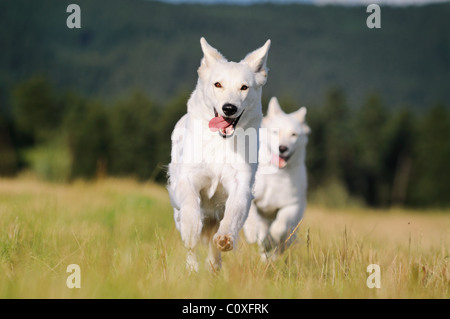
122	236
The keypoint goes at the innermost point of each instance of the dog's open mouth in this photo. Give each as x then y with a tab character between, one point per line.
224	125
279	160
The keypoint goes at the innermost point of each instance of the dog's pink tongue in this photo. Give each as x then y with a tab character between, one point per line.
219	122
278	161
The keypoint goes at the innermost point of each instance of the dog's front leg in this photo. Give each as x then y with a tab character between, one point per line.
283	226
236	210
190	220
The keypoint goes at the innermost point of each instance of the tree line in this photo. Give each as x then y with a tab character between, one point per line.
369	153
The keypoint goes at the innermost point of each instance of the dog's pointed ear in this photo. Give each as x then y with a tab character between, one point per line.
257	61
210	54
300	114
306	128
274	107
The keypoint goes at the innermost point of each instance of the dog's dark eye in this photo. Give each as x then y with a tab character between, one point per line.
244	87
294	134
218	85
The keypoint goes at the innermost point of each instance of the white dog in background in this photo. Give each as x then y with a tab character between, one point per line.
280	198
210	180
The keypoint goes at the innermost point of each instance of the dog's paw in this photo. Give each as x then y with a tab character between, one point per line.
223	242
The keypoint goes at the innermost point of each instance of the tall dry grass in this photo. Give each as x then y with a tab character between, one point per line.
122	236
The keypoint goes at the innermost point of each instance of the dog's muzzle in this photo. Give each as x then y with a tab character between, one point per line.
280	160
224	125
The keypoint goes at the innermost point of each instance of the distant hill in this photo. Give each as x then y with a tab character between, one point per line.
128	44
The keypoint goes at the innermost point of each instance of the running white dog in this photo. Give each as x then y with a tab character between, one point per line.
280	198
210	177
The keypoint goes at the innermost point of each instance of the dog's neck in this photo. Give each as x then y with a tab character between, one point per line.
197	102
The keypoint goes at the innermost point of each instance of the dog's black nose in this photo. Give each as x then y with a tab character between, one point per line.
229	109
282	149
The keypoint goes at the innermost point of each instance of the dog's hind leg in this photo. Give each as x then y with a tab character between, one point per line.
189	228
191	261
251	225
214	260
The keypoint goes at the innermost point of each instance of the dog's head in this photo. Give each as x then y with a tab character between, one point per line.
292	129
232	91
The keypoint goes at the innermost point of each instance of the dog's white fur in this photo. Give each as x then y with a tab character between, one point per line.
210	194
280	198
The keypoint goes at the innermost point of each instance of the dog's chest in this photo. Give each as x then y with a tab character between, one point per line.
213	185
213	193
274	191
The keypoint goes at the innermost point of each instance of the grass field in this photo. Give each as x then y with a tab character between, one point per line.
122	236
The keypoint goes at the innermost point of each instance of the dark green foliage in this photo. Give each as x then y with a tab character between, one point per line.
35	108
382	156
9	161
431	169
337	134
368	128
89	137
134	137
398	158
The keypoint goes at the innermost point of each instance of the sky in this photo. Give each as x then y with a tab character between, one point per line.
318	2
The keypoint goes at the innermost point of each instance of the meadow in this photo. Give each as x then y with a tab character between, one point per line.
121	234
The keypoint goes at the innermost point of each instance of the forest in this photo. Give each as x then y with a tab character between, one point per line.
372	155
103	100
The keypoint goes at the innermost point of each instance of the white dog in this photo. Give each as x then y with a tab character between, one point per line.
210	176
280	198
